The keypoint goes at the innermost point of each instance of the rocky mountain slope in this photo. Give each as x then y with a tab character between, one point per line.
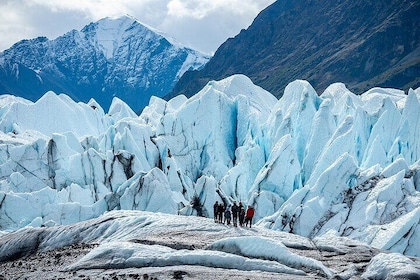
109	58
360	43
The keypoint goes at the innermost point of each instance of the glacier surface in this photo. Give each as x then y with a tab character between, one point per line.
333	164
124	244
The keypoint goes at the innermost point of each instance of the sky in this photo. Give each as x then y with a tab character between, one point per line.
200	24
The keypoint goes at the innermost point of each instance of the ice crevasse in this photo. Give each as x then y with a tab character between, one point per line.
310	164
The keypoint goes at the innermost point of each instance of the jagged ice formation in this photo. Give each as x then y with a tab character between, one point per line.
336	163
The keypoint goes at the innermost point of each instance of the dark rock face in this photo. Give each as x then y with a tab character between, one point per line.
106	59
360	43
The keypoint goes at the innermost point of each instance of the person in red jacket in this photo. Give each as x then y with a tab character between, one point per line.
249	215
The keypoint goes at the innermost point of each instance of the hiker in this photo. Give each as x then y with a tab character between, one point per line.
235	212
241	214
220	211
249	215
228	215
215	210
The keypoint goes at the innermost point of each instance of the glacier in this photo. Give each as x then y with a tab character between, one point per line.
333	164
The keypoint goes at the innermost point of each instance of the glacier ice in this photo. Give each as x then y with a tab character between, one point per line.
310	164
396	266
135	239
126	255
268	249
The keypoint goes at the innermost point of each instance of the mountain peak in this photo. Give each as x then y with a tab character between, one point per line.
125	22
109	33
113	57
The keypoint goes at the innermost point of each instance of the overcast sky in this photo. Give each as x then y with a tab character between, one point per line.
201	24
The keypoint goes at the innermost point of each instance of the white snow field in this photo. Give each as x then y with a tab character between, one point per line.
334	164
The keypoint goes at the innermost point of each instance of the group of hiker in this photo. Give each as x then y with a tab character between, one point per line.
230	213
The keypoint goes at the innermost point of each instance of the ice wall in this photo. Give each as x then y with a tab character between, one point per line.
310	164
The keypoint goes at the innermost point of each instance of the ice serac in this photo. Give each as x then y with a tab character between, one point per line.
293	114
309	208
277	179
317	165
52	113
321	132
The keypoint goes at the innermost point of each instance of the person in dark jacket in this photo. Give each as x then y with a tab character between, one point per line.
228	215
235	212
221	210
249	215
241	214
216	211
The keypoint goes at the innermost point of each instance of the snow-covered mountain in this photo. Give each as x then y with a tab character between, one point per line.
114	57
337	163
